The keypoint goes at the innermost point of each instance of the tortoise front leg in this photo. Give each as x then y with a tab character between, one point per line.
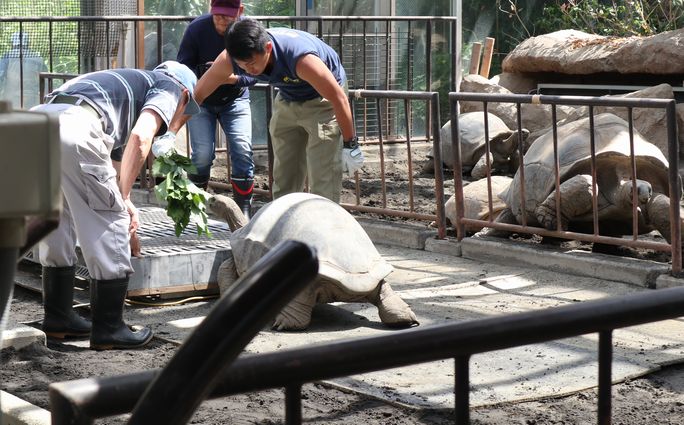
296	315
657	215
575	201
479	170
227	275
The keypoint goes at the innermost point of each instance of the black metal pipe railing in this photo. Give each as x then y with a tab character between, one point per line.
100	397
173	395
674	184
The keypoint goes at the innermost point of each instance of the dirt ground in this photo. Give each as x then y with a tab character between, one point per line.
26	373
655	399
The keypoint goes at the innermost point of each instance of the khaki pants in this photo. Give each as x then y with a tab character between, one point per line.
93	211
306	143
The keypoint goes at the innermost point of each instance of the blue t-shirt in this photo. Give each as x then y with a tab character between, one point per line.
120	95
198	49
288	47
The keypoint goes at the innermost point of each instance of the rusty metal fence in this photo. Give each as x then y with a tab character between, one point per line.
382	98
674	184
402	145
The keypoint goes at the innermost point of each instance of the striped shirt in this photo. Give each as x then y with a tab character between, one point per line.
120	95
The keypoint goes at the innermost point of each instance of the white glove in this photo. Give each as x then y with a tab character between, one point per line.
352	157
164	145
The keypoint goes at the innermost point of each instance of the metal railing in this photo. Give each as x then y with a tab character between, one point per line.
79	402
431	102
674	186
428	100
46	80
378	52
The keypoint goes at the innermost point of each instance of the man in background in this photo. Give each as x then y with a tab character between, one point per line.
228	104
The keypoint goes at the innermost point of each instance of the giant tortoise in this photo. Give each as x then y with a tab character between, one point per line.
503	143
350	268
476	201
614	181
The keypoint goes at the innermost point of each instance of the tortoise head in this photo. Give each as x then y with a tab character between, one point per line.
644	192
225	208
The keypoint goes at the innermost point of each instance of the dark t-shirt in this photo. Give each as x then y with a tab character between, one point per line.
201	44
288	46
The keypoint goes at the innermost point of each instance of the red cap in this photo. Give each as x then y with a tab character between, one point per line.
225	7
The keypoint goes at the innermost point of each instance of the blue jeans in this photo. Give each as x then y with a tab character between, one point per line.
236	121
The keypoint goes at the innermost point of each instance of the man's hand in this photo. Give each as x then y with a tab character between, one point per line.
352	156
133	227
135	218
164	145
136	250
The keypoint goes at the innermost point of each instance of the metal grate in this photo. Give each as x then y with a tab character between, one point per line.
158	237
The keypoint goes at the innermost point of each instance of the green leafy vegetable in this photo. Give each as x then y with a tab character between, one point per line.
185	202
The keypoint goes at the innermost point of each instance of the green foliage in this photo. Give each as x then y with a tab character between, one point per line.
270	8
614	18
176	7
173	31
185	202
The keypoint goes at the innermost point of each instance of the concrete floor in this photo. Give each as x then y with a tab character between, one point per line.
447	281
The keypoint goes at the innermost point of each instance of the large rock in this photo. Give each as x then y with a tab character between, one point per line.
534	117
516	83
576	52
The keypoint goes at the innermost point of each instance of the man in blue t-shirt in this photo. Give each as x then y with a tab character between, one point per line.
229	104
311	113
99	112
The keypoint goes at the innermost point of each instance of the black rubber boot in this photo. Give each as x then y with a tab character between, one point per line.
242	194
200	181
61	320
109	330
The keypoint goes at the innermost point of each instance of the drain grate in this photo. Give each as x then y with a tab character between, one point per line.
158	237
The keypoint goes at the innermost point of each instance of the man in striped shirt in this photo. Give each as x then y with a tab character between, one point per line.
100	112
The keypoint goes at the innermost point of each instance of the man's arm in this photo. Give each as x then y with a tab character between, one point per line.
311	69
219	73
137	149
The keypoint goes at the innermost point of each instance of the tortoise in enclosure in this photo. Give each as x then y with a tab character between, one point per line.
476	201
503	143
350	268
614	181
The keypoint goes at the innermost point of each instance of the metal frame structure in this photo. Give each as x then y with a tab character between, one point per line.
675	189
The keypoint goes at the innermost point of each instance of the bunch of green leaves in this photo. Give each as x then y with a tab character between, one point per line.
185	202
